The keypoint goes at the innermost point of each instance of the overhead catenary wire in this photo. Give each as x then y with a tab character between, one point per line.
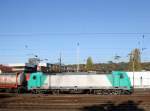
71	50
74	33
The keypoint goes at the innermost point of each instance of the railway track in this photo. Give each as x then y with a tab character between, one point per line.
80	102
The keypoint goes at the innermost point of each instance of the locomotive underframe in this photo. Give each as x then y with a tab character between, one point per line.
97	91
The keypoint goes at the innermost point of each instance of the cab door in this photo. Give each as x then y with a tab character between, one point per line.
34	82
120	80
116	80
37	80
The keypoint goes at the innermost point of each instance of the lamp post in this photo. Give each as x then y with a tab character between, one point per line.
133	66
78	66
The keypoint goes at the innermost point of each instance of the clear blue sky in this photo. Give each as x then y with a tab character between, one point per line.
48	27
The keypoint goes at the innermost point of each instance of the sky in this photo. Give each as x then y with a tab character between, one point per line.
103	28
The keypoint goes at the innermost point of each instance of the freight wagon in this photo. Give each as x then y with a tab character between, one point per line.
139	79
12	82
115	83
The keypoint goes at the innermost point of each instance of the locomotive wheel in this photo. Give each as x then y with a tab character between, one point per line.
55	92
117	92
34	91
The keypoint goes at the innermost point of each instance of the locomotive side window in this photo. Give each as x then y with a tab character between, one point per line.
121	76
34	77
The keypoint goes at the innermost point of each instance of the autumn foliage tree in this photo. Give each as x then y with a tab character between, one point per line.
135	60
89	64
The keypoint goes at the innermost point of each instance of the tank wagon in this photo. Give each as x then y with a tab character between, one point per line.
115	83
12	82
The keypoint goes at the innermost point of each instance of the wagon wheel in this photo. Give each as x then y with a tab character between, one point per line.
18	90
8	90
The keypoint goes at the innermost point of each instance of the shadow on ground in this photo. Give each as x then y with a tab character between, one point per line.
4	96
125	106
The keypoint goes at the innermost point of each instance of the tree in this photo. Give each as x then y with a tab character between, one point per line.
110	62
89	64
135	60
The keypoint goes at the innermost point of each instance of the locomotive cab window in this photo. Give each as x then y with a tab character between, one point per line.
121	76
34	77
